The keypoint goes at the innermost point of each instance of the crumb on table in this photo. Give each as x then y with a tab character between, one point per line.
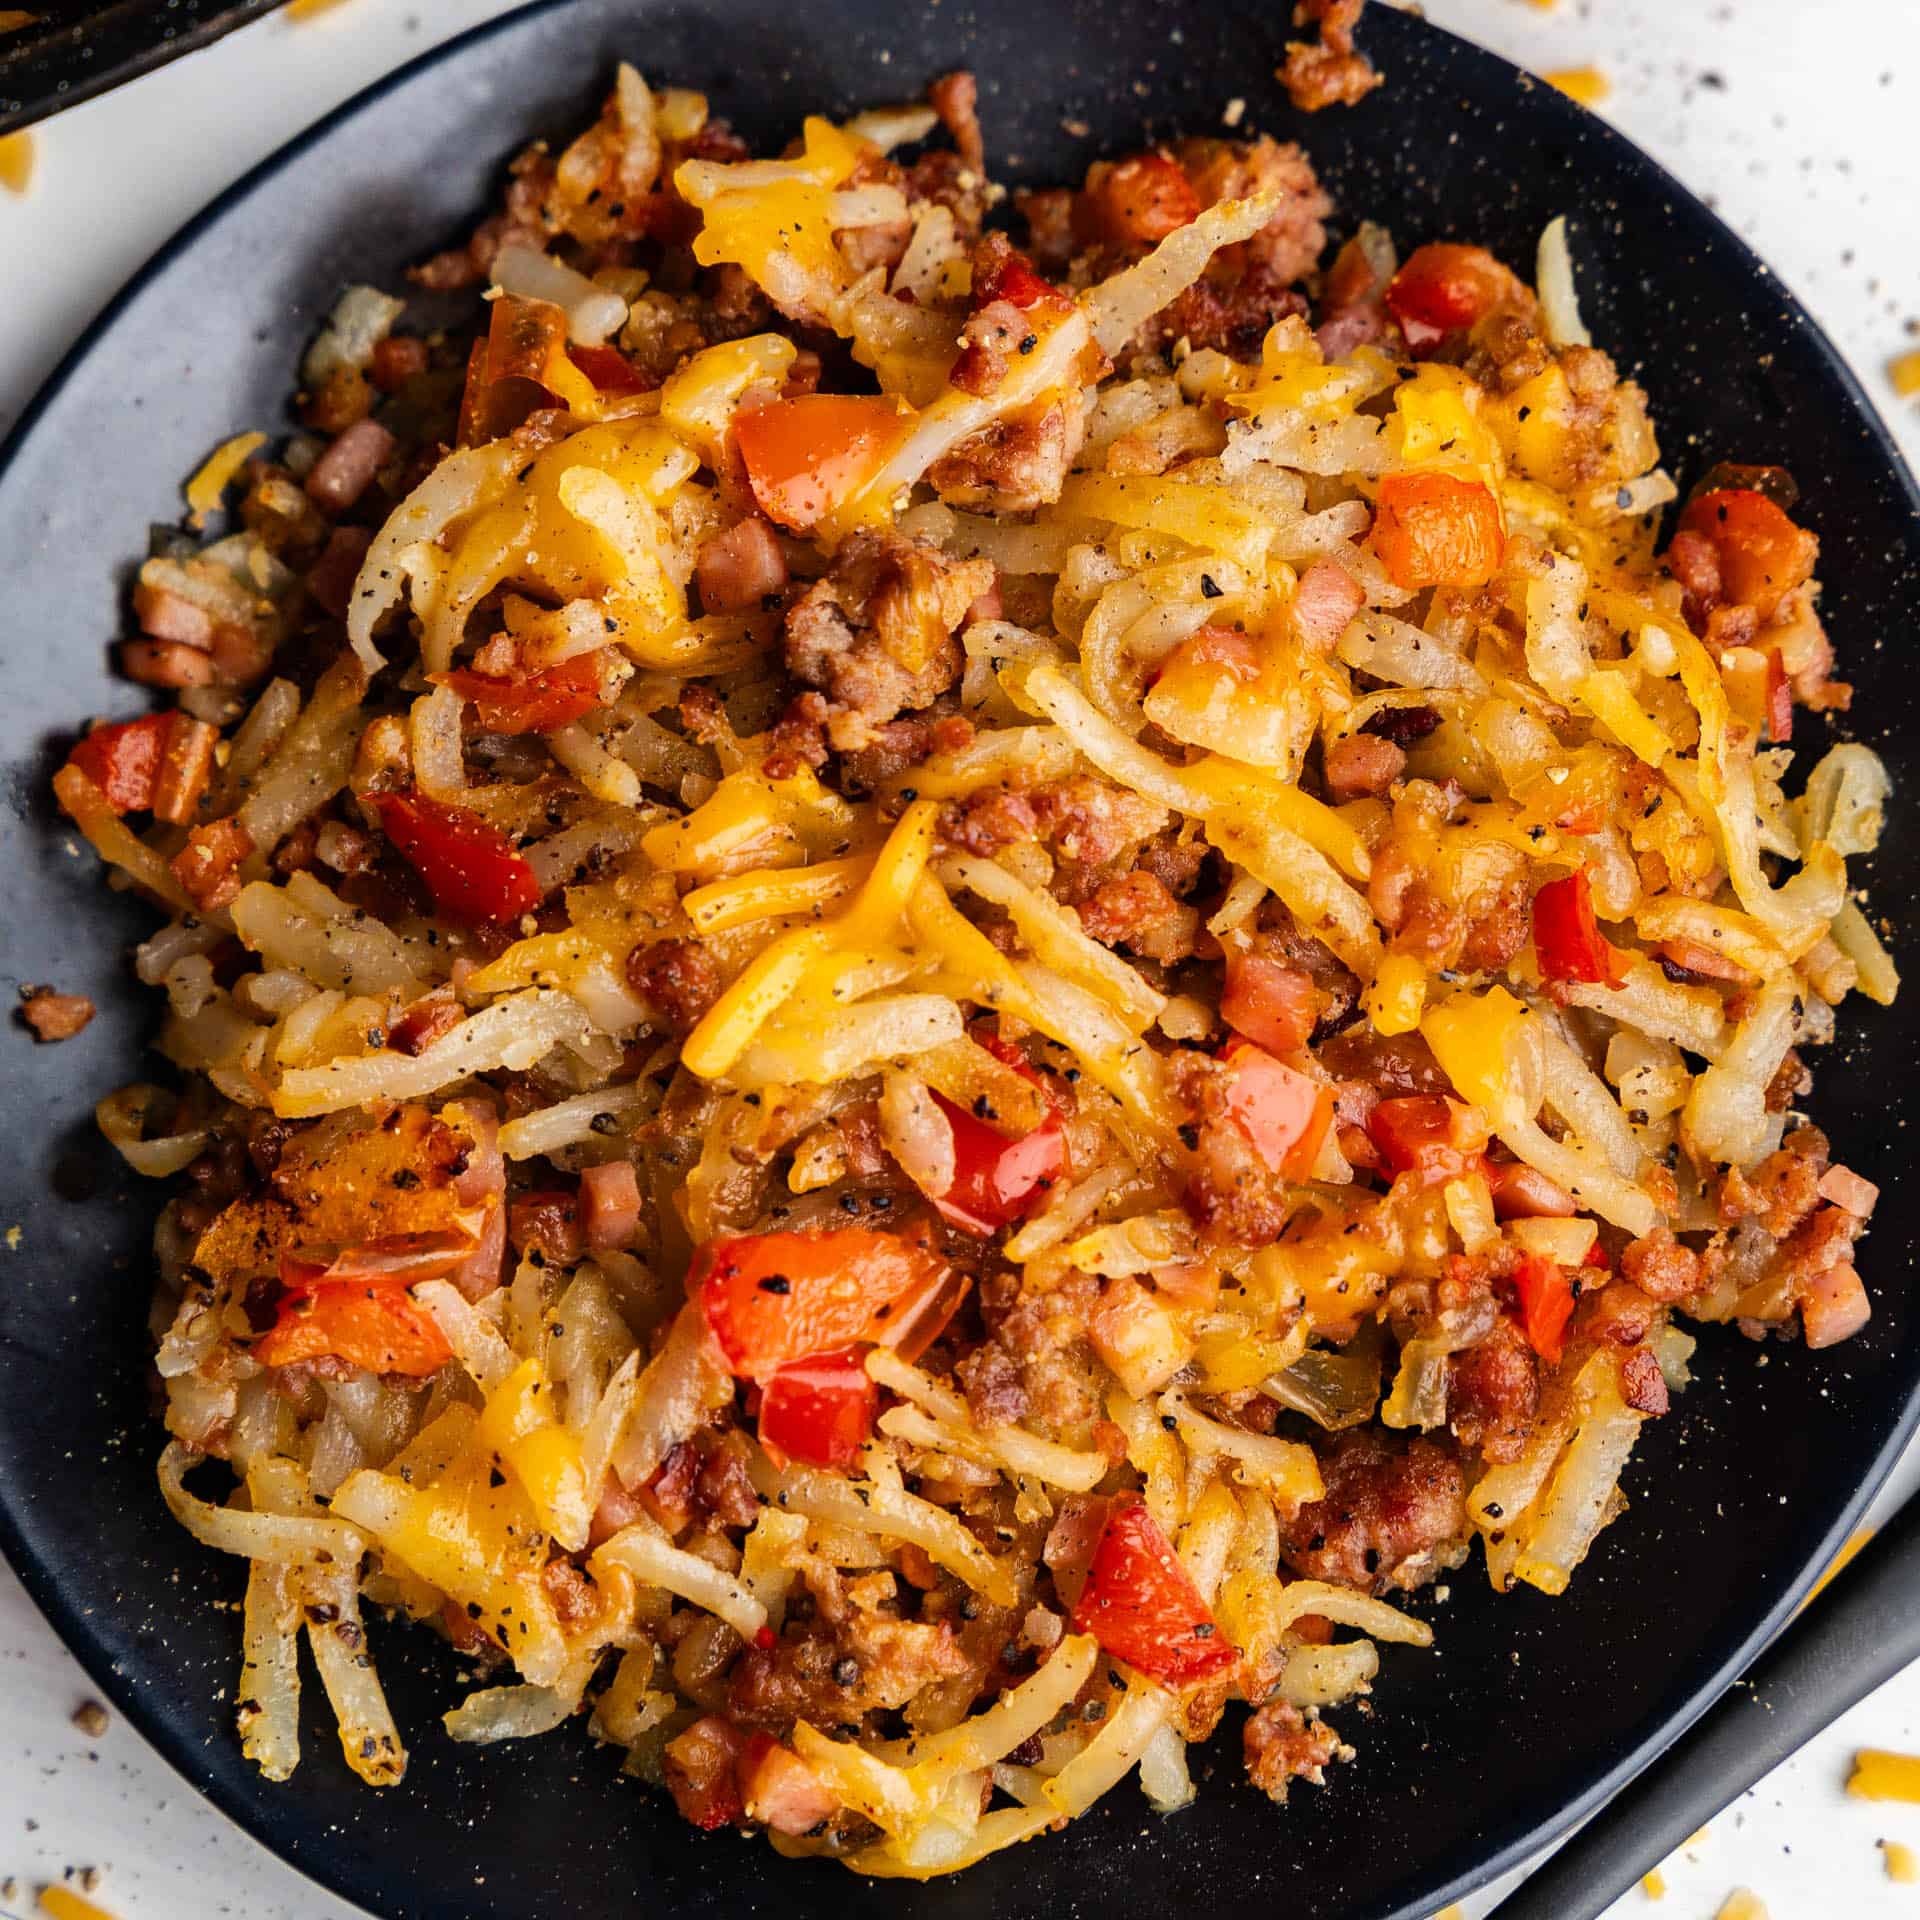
54	1015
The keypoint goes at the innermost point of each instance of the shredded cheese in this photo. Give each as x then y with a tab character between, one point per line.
1588	85
16	162
217	473
1840	1561
1879	1775
64	1904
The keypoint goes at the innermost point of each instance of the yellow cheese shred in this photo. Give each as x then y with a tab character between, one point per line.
1588	85
16	162
217	473
1840	1560
1878	1775
1900	1862
64	1904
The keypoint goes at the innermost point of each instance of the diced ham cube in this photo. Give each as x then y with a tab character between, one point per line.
1326	599
1848	1191
609	1204
330	579
345	471
166	615
1834	1306
740	568
166	663
1362	766
779	1789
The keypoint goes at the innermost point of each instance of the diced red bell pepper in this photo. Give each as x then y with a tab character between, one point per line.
123	761
1285	1114
541	701
1763	555
1444	288
1009	275
609	369
1140	200
806	454
469	865
1567	937
1276	1006
526	348
376	1326
1008	1054
1429	1136
819	1410
1141	1604
772	1298
476	399
1434	530
1546	1305
997	1181
526	339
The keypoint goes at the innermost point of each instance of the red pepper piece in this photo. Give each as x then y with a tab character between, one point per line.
1567	937
819	1410
1429	1136
376	1326
1546	1305
1141	1604
773	1298
997	1181
536	702
469	865
609	369
1444	288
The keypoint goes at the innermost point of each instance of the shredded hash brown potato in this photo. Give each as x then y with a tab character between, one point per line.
931	1003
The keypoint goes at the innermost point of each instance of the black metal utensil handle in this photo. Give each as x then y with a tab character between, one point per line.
1858	1634
69	52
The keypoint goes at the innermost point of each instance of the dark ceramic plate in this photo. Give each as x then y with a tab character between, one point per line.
1529	1711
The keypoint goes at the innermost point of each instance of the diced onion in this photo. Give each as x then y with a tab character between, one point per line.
1559	302
594	313
123	1117
507	1713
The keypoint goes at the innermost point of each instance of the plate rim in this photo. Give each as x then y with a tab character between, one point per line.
254	1812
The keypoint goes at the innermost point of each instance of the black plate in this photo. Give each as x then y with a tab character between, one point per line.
1529	1711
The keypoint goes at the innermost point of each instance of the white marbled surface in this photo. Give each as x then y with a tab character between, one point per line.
1797	121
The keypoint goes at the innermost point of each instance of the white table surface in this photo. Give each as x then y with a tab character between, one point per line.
1800	122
